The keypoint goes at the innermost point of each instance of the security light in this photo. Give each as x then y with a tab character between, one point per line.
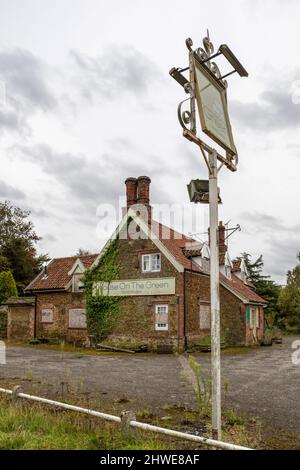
232	59
199	192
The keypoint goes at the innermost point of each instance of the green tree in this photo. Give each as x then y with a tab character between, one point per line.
8	286
289	300
17	245
265	287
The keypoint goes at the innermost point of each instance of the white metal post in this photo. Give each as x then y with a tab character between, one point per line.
214	296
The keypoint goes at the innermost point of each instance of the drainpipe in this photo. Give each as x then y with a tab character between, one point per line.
35	317
184	308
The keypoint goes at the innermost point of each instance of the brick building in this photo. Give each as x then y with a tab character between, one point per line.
163	286
56	308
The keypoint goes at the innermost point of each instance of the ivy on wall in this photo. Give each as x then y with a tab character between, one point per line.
102	311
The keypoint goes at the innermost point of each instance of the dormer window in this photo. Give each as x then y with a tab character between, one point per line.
77	284
228	271
151	263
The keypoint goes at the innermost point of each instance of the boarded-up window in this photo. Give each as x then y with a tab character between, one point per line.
204	316
77	283
254	318
161	317
77	318
47	315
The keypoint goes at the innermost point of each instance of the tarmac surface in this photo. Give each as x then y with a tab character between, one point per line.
261	382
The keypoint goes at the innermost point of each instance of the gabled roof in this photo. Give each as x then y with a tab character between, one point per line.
58	273
237	287
176	243
173	245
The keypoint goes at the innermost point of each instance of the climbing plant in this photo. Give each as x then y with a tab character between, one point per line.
102	310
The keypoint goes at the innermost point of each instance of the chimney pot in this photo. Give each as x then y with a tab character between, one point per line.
143	183
131	191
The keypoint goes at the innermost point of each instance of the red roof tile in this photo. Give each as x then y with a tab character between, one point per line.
177	242
239	287
57	273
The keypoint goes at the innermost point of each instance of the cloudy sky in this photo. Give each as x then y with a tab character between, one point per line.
86	101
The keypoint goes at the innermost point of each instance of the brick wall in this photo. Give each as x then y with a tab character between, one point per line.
20	323
136	318
233	316
60	303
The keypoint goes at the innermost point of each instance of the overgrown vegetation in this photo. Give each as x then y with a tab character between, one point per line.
17	245
200	380
289	300
102	310
265	287
8	286
25	425
38	427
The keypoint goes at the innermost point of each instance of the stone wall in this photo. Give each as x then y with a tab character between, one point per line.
59	303
233	316
3	322
20	323
136	317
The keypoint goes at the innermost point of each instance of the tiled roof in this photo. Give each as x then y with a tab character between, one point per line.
57	273
177	243
238	286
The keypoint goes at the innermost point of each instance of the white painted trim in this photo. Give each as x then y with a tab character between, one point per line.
145	228
234	292
78	264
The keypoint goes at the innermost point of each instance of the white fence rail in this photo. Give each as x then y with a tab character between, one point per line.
127	419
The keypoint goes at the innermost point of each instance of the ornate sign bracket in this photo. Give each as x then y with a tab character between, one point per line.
186	110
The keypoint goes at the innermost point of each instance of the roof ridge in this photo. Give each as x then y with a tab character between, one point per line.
173	230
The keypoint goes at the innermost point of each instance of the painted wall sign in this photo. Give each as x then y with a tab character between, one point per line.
47	315
132	287
77	318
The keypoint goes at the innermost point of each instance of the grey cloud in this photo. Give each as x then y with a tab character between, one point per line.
275	110
265	221
12	121
281	256
115	71
49	238
283	241
9	192
86	181
91	183
25	79
26	89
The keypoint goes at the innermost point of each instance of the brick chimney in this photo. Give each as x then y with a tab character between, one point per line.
222	243
143	194
131	191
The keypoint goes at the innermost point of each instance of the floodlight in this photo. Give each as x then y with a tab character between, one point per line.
199	192
232	59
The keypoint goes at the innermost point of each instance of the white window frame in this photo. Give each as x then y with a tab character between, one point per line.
151	268
162	326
